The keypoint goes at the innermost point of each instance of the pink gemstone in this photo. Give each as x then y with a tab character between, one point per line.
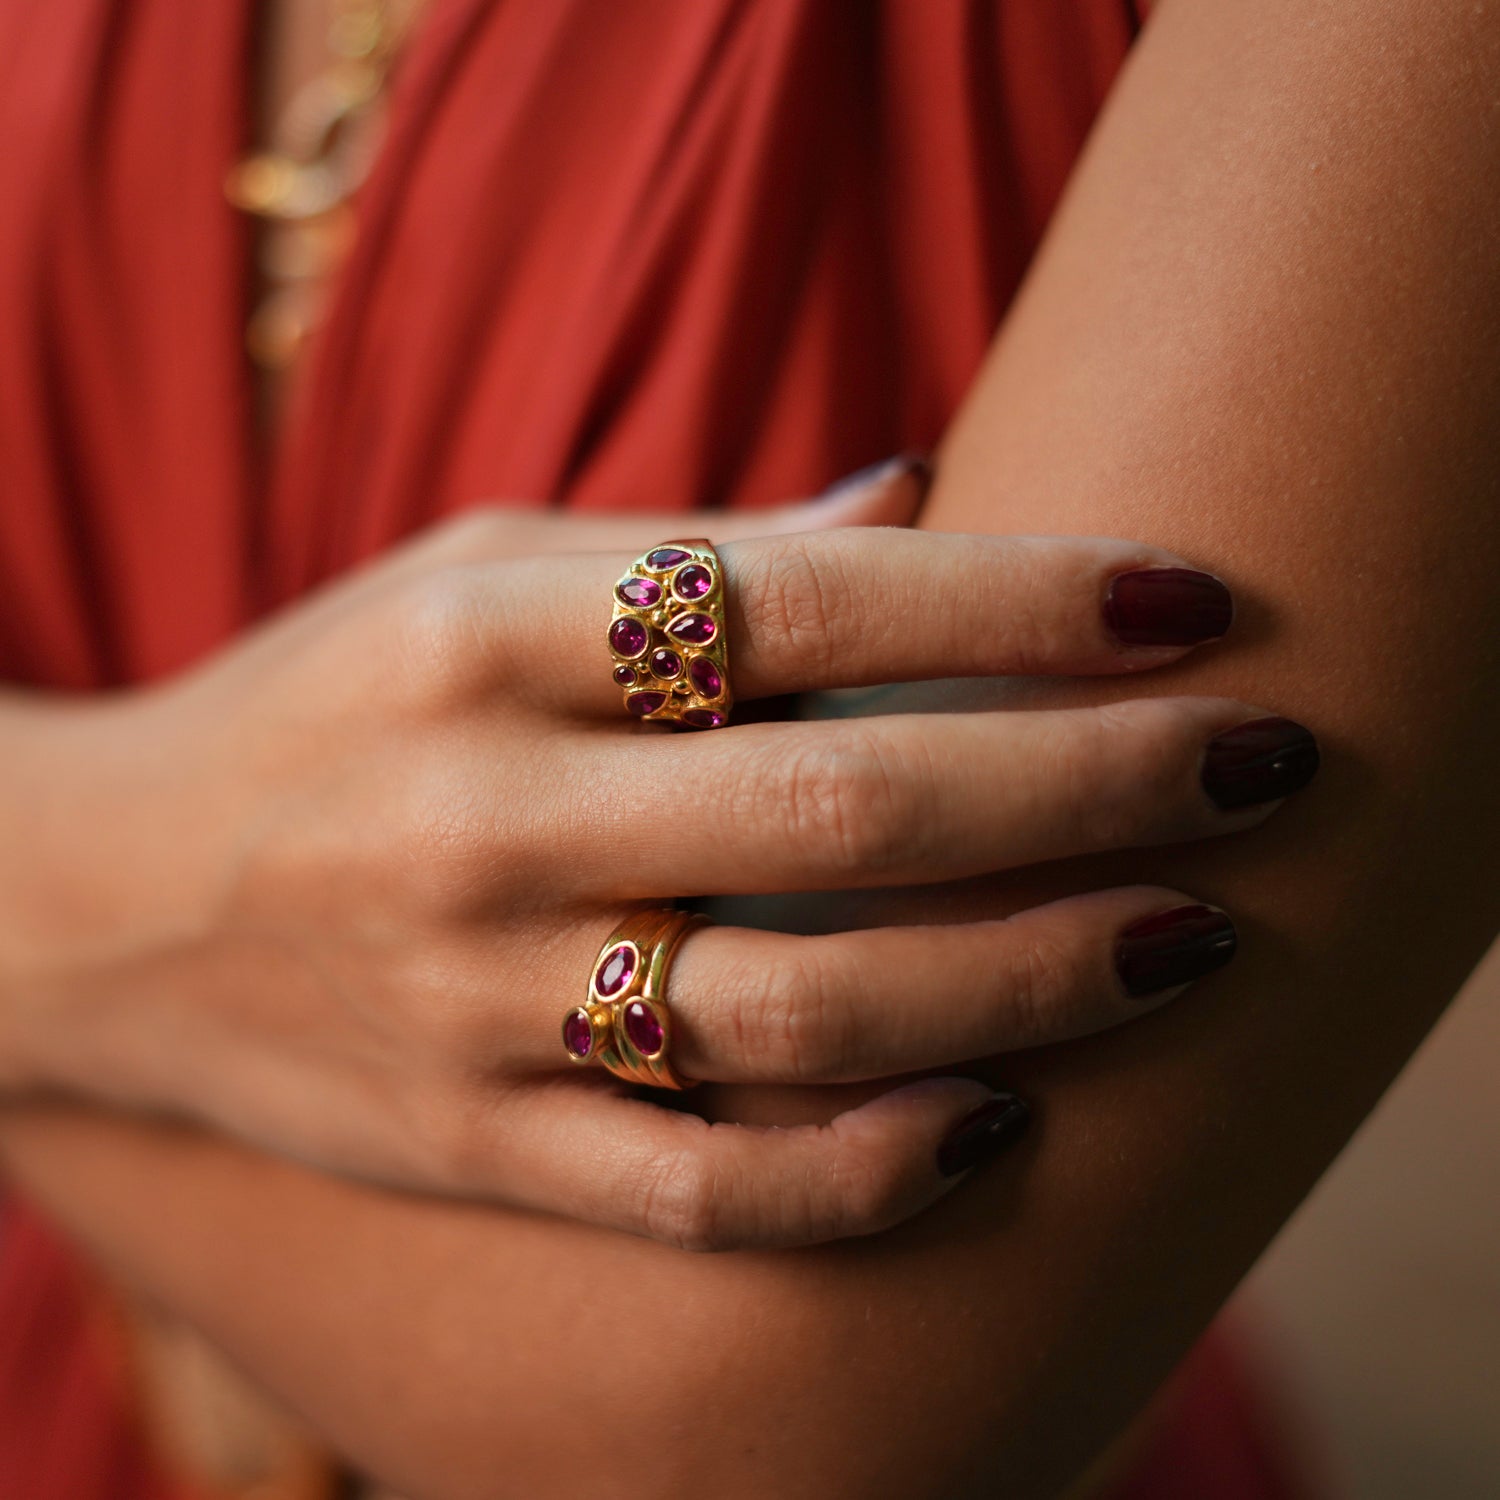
643	1029
627	637
641	704
696	630
665	664
666	557
578	1035
702	718
625	676
615	969
704	676
640	592
692	582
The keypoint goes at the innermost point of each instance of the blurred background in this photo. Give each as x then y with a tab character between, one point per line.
1381	1300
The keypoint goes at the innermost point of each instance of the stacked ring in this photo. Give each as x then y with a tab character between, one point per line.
667	636
625	1022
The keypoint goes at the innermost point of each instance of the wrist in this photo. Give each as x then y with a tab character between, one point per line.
82	883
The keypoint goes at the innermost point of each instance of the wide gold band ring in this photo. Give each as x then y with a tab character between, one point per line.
668	639
624	1021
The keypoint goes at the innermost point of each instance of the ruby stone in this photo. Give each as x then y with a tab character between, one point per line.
642	593
696	630
665	664
702	718
692	582
578	1035
704	676
614	970
666	557
625	676
627	637
641	704
643	1028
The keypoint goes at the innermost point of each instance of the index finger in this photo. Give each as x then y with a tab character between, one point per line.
859	606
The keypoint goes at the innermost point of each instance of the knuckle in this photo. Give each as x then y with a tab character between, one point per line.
1035	987
455	1134
864	1195
792	1026
438	653
1124	771
850	804
799	595
681	1203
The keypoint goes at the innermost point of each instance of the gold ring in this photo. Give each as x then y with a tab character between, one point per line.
667	636
625	1021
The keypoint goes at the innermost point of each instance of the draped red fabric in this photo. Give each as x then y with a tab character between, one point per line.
615	254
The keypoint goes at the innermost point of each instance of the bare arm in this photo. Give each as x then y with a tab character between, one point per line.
1261	334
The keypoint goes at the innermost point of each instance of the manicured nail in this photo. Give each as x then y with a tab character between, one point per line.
1167	607
982	1133
918	465
1259	761
1173	947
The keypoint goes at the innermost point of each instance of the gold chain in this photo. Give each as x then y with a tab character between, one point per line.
302	188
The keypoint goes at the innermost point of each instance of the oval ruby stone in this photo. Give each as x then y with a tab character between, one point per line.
615	969
641	593
704	676
625	676
643	1029
702	718
696	630
666	557
665	664
641	704
627	637
692	582
578	1035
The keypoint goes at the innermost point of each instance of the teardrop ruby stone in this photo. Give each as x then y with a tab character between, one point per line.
696	630
642	593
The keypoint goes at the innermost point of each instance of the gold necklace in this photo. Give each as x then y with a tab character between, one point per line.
302	188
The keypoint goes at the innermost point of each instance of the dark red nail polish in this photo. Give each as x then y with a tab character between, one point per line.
982	1133
1167	607
1259	761
1173	947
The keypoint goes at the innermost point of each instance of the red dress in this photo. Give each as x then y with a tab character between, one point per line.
616	254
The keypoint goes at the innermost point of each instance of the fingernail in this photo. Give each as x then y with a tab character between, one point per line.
1167	607
1259	761
1173	947
982	1133
918	465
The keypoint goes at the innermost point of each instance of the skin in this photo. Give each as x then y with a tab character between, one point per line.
1261	334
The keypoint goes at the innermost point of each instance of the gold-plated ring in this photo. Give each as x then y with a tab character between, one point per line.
667	636
624	1021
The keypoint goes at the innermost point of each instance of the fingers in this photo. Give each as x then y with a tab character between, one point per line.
848	609
628	1164
909	799
771	1007
857	606
885	494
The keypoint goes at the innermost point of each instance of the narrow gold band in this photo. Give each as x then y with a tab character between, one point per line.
625	1022
668	639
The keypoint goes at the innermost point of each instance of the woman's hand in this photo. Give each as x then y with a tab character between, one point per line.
334	891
